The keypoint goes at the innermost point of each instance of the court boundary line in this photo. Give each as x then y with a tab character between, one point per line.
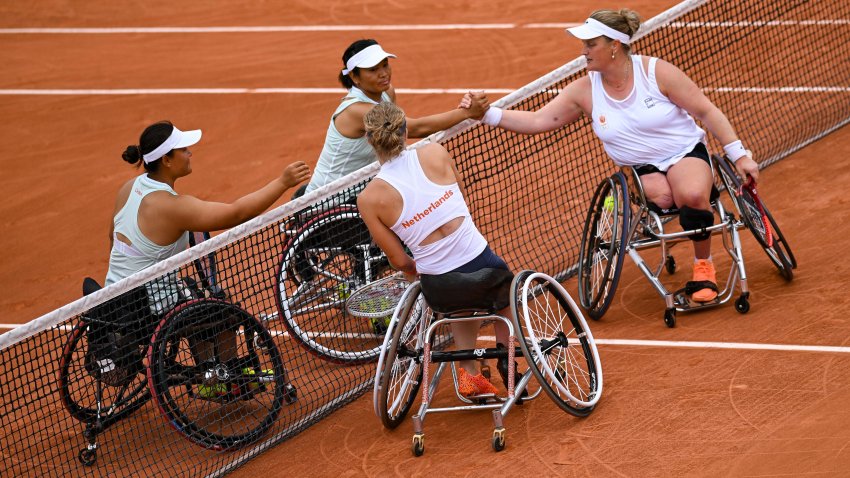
280	28
627	342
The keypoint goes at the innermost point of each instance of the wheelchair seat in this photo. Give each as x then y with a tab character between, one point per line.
485	290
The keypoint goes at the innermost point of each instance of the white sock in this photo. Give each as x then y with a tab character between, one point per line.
706	259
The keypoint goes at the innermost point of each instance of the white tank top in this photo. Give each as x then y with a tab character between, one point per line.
125	259
645	127
342	155
426	207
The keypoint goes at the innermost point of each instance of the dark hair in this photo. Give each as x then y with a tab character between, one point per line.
153	136
352	50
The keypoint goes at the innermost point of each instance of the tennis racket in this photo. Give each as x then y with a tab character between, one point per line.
205	266
377	299
749	189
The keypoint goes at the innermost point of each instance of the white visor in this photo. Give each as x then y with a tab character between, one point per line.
594	28
178	139
366	58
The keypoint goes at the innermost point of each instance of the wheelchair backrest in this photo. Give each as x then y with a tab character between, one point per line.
486	290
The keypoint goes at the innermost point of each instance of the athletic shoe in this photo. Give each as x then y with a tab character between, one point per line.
704	272
473	385
380	325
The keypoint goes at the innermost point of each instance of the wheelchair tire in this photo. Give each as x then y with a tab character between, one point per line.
217	404
779	252
556	342
399	373
79	384
603	245
321	265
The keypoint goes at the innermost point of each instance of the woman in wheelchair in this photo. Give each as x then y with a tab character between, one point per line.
417	200
643	110
151	221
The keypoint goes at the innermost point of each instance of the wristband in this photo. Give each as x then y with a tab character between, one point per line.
492	117
735	150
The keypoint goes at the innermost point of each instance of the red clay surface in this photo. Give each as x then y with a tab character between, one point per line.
665	411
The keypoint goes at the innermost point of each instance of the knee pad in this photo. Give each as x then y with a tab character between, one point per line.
691	219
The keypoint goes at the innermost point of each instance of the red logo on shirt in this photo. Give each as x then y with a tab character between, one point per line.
434	205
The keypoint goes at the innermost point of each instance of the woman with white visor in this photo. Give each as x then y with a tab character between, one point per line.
643	110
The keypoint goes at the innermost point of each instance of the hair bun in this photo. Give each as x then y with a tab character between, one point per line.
133	154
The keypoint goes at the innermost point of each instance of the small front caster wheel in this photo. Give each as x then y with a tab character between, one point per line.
670	265
670	317
87	456
742	305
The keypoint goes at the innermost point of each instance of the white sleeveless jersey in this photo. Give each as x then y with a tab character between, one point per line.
340	154
645	127
125	259
426	207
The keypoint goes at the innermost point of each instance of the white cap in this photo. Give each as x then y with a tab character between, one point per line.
594	28
177	139
366	58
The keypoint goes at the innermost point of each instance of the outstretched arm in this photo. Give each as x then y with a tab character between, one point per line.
186	213
470	107
566	108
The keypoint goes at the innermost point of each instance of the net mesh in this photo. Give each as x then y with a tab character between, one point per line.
199	363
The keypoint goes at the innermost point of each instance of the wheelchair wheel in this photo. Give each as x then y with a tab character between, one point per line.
603	245
776	247
216	374
399	372
322	264
85	395
556	342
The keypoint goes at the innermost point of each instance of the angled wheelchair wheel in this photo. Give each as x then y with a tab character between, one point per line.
87	394
556	342
399	372
763	226
216	374
603	245
322	264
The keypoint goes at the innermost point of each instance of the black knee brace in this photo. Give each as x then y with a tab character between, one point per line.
691	219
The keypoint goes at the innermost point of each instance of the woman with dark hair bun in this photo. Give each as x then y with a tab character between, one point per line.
367	76
151	221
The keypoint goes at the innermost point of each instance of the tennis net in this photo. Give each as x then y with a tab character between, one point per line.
242	341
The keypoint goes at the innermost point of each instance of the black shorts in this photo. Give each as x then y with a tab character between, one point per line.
487	259
699	151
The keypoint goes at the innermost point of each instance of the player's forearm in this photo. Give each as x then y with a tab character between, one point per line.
422	127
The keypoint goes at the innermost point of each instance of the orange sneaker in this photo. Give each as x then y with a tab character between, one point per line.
704	272
472	385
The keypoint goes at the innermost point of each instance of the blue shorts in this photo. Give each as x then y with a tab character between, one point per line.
487	259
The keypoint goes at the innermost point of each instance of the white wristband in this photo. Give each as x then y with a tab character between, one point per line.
735	150
492	116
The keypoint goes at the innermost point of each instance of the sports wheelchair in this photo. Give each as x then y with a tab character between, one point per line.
328	254
550	330
621	221
219	393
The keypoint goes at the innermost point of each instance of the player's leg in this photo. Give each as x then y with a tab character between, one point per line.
691	183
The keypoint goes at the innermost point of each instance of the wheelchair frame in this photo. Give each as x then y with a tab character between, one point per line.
620	220
412	343
166	379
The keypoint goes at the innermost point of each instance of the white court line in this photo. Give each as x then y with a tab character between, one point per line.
283	28
337	91
625	342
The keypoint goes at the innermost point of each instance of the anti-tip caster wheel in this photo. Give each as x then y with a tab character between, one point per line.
499	439
418	444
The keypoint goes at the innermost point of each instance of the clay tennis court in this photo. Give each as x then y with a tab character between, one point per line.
780	407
